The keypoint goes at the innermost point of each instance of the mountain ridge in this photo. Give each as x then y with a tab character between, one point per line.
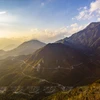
25	48
54	67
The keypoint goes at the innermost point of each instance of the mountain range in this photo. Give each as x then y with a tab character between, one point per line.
88	38
68	63
25	48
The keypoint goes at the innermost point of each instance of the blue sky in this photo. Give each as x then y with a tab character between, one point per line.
46	20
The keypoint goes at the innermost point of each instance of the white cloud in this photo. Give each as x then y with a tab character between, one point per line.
74	25
45	2
3	12
45	35
86	13
52	35
42	4
98	19
7	17
95	6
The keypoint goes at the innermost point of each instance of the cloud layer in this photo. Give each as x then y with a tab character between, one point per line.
2	12
53	35
93	12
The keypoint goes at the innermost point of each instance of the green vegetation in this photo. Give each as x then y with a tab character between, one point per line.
90	92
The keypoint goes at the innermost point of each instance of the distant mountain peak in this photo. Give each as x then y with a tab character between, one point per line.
32	41
2	51
25	48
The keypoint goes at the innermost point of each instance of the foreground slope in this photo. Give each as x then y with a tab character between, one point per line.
59	60
53	68
89	92
49	63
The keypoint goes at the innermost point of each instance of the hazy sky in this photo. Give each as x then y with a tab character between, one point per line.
46	20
